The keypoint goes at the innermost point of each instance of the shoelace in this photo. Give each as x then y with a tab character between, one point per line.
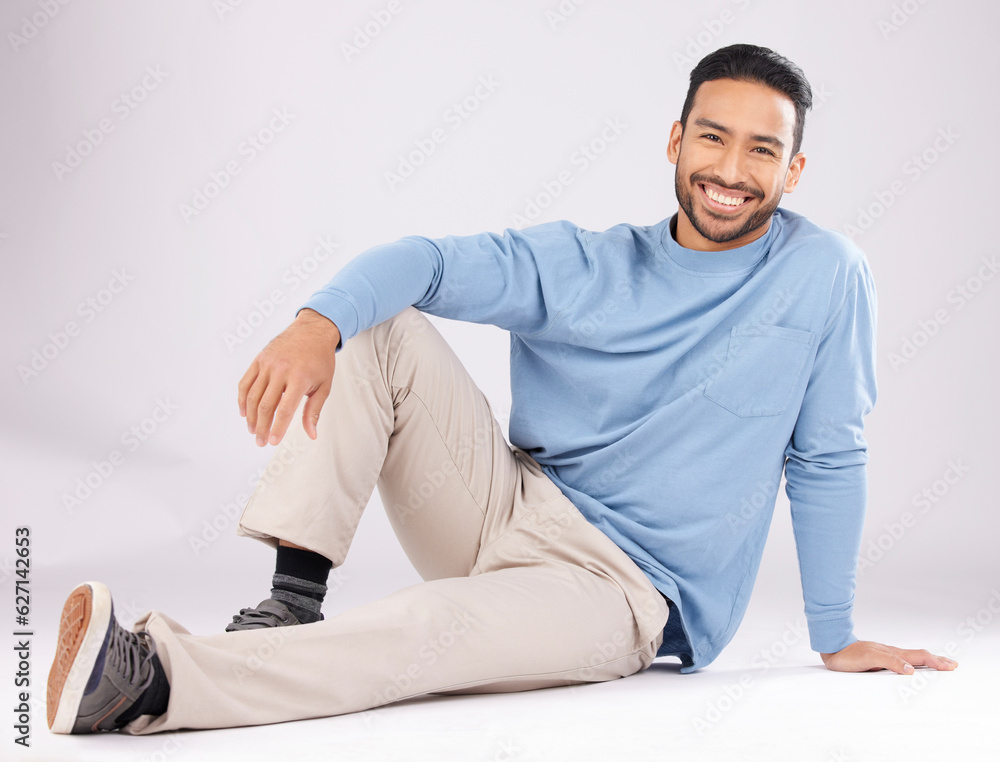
129	656
256	615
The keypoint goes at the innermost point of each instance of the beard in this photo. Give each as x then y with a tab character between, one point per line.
685	199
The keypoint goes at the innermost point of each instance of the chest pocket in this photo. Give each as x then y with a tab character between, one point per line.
762	368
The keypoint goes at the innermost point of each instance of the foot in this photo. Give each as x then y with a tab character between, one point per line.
268	613
100	669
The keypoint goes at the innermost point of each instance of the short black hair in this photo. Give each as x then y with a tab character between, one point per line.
752	63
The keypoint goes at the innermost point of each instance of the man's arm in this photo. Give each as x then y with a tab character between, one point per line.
519	281
827	486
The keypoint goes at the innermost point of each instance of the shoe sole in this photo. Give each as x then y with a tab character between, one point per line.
82	629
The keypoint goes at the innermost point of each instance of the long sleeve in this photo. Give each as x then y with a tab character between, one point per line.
826	466
519	280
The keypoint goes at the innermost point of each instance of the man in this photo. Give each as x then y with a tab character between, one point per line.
662	378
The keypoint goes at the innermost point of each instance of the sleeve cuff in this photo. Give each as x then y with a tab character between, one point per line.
337	308
831	635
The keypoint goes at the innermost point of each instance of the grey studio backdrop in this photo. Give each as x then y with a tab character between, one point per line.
179	177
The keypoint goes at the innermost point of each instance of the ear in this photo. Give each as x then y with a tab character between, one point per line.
795	168
674	142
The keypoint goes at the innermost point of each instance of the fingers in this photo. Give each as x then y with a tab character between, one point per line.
310	413
260	403
924	658
244	387
270	407
270	400
866	656
284	414
899	665
253	397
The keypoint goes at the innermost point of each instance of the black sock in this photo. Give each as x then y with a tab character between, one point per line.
299	582
153	700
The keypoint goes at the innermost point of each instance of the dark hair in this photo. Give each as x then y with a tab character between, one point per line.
751	63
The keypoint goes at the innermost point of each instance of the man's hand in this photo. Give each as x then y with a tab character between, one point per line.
866	656
298	361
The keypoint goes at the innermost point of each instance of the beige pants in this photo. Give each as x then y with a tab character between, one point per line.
521	591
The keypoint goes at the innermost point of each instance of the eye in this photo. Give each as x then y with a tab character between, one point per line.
765	151
712	137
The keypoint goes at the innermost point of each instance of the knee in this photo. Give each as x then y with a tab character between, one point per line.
407	334
373	348
403	329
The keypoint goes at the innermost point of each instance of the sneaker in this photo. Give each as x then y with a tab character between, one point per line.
268	613
100	668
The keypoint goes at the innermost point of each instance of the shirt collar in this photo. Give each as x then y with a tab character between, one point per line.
729	261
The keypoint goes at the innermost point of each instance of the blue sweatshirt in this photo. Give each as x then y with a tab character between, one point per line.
664	389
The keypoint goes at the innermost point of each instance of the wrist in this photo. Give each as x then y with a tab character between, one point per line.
320	323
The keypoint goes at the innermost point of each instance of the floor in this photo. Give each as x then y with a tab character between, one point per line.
766	698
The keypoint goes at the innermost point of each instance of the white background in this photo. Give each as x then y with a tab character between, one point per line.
889	79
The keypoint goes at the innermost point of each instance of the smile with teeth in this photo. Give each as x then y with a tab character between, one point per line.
718	198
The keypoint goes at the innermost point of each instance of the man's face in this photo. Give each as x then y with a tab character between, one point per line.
733	163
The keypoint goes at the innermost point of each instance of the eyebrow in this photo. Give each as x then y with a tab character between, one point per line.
769	139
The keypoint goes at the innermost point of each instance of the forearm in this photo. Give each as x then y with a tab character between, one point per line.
375	286
828	509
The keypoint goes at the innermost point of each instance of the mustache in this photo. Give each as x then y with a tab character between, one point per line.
739	187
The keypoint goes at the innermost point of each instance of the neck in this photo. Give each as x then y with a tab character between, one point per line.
685	234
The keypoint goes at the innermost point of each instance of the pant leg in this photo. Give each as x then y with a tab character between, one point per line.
523	592
551	602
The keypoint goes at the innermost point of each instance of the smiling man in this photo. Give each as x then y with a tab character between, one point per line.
736	171
663	378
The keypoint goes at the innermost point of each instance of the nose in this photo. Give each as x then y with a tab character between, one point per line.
731	166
